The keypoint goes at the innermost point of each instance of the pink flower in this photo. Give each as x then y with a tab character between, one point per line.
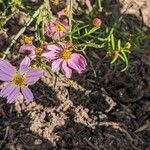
97	22
56	28
30	50
63	58
18	80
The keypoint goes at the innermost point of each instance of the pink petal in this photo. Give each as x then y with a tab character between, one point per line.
47	28
53	29
50	55
27	48
7	68
61	34
74	65
52	47
7	90
75	56
56	65
63	45
5	77
24	65
56	35
61	13
67	70
65	22
12	96
33	75
32	56
27	94
81	60
52	23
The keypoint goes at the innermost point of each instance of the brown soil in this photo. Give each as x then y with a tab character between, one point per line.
107	112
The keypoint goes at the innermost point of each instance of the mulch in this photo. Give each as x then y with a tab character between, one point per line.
108	112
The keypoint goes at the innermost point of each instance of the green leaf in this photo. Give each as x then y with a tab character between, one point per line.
127	51
125	57
111	31
112	42
107	30
90	45
102	39
119	45
75	30
92	30
124	69
122	57
55	78
87	33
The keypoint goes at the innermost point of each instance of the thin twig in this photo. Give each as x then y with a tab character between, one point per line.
70	18
47	5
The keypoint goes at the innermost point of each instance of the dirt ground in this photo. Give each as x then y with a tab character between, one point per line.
107	112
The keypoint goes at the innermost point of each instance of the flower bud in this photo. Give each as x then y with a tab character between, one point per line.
56	2
127	45
97	22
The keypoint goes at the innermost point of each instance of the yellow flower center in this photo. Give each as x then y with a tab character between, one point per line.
26	40
56	2
60	27
38	51
65	54
19	80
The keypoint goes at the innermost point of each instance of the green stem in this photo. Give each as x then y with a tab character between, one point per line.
100	5
90	44
21	31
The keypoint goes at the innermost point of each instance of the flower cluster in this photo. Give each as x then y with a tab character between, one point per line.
59	54
56	46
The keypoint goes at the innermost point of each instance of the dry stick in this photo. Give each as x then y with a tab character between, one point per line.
116	125
89	5
47	5
21	31
70	17
91	144
5	136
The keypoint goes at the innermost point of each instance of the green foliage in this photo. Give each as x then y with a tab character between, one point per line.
121	52
82	34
